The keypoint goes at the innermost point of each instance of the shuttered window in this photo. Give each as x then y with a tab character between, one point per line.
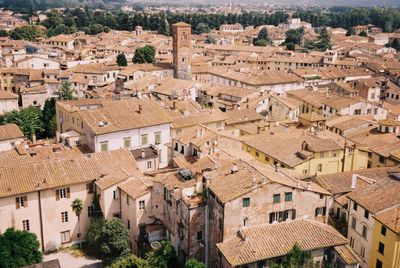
63	193
127	142
157	137
25	225
64	216
21	202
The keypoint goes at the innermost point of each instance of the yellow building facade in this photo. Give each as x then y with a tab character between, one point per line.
385	247
318	163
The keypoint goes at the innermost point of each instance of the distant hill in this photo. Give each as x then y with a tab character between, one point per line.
283	2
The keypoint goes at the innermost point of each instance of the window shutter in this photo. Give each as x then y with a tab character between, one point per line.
57	194
68	193
17	202
270	218
286	215
293	214
323	210
316	212
25	201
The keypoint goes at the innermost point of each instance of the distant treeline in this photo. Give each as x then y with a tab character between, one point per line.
92	22
78	19
31	6
344	17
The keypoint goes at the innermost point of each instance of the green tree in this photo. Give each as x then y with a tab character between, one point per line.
49	117
263	34
19	248
164	257
144	54
296	258
108	240
294	36
324	40
3	33
121	60
290	46
66	92
350	31
261	43
60	29
193	263
28	32
98	28
202	28
27	119
97	213
395	44
363	33
77	207
93	235
54	19
130	262
165	28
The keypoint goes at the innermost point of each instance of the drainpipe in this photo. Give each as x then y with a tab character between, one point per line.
344	155
206	237
188	248
41	221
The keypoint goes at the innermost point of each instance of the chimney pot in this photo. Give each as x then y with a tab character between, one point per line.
308	185
234	168
354	181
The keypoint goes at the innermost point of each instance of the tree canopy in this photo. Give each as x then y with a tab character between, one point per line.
19	248
108	240
27	32
202	28
193	263
293	37
121	60
144	54
395	44
363	33
130	262
164	257
66	92
92	21
49	117
322	44
296	258
263	38
27	119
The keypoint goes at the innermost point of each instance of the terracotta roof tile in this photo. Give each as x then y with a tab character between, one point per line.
10	131
390	218
348	255
275	240
24	178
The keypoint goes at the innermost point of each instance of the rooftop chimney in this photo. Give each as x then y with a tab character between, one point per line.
143	153
354	181
308	185
234	168
241	235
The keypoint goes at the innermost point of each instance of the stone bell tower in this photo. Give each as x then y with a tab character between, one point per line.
181	49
